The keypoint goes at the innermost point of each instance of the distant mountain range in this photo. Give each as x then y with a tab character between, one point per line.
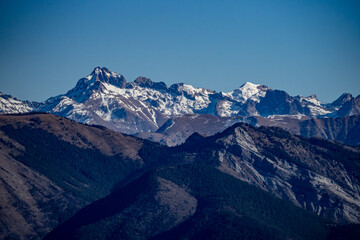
143	106
68	180
176	130
254	163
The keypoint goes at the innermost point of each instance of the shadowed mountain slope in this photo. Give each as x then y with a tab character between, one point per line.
192	202
176	130
315	174
342	129
52	167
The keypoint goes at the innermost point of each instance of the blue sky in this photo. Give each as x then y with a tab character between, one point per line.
302	47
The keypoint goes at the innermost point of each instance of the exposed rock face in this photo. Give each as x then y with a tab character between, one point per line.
176	130
191	202
106	98
342	129
315	174
349	108
51	167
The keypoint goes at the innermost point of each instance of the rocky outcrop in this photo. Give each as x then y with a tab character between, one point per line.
314	174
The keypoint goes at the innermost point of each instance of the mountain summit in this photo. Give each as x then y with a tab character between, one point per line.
249	91
106	76
93	82
106	98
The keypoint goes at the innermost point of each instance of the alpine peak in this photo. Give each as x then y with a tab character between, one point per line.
106	76
248	91
148	83
103	71
106	98
249	85
96	71
345	97
143	81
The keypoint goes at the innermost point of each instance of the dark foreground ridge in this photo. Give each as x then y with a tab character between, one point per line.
74	181
207	203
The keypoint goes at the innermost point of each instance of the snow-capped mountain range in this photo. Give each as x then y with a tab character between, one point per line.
106	98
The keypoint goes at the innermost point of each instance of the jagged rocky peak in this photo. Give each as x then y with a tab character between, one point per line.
312	96
106	76
3	95
349	108
147	82
10	105
310	99
93	82
345	97
143	81
100	71
7	96
176	87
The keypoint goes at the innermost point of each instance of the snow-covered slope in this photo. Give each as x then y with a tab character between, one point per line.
106	98
9	105
248	91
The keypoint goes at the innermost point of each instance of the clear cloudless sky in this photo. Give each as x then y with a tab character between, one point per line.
302	47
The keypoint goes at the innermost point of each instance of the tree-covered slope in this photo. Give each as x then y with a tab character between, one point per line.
52	167
191	202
